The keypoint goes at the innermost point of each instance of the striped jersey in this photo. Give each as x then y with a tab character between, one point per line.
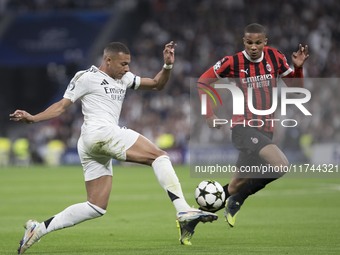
261	75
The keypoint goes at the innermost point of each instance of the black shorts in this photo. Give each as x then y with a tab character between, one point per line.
249	141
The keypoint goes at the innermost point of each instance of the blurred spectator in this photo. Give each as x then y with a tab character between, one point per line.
205	30
54	151
21	152
5	151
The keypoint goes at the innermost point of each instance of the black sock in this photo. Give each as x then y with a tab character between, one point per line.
225	188
251	187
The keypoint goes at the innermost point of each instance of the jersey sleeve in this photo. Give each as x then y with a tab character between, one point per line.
132	81
222	67
77	87
218	71
284	68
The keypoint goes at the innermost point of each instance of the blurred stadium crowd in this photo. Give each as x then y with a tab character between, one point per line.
205	31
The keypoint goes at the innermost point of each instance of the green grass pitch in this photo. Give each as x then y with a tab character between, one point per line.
290	216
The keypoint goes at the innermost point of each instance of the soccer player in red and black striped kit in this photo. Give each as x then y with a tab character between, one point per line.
258	67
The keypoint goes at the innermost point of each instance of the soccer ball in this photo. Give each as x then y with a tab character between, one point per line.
209	195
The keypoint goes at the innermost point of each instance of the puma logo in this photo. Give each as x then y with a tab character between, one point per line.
244	71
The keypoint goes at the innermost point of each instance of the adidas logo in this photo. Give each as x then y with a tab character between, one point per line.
104	82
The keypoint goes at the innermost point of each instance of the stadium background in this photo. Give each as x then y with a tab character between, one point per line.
43	43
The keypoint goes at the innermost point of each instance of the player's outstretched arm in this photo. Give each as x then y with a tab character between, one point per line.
298	58
160	80
51	112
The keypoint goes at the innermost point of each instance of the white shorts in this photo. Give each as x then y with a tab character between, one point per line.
98	146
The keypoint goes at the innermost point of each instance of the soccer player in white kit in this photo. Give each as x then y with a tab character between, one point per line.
101	92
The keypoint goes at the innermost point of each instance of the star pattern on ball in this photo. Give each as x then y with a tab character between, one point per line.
203	192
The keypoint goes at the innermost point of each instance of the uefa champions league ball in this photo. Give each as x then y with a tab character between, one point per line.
209	195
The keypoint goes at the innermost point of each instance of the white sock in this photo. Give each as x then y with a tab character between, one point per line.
168	179
72	215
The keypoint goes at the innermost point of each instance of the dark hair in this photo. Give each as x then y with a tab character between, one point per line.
116	47
255	28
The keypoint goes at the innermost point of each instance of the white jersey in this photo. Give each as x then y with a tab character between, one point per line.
101	96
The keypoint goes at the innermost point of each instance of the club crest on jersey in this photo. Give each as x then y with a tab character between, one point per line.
219	63
254	140
268	67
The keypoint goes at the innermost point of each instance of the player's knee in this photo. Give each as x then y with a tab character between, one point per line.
282	166
285	161
273	156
